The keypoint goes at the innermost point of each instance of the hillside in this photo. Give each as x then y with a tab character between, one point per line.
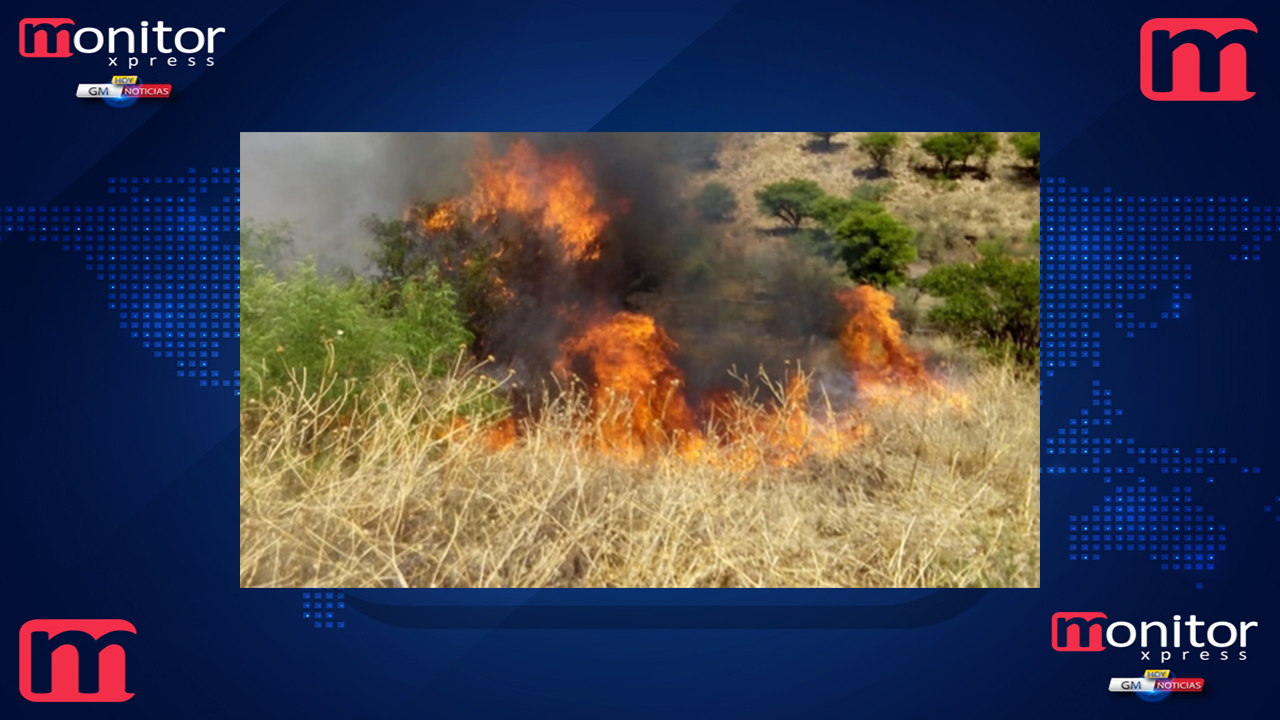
950	217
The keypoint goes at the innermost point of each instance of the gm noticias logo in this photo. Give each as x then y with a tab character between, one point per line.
1196	58
74	660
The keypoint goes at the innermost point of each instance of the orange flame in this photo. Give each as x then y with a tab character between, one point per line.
444	217
554	191
786	434
872	341
638	395
501	435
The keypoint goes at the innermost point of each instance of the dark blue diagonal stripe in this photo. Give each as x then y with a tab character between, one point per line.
930	610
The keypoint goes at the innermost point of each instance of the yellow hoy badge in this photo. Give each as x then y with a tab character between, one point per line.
1157	674
124	79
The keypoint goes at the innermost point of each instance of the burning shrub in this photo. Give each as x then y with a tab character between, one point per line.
567	303
541	262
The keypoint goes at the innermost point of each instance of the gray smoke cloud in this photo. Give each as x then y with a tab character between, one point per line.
327	183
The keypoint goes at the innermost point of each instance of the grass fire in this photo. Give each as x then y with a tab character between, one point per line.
636	360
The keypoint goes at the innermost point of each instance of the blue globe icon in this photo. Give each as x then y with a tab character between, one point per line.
120	102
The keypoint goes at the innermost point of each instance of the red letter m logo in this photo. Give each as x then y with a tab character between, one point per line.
40	37
74	660
1076	632
1196	58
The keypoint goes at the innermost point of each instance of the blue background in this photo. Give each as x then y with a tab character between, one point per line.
119	474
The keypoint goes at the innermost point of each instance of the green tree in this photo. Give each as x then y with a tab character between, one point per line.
715	202
880	146
984	145
825	139
947	149
994	303
957	147
1028	146
875	246
791	200
829	210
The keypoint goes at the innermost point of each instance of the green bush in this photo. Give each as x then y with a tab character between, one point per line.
875	246
880	146
715	202
305	322
1028	146
1033	237
994	303
791	200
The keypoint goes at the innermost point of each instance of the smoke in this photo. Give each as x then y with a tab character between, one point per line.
750	303
745	302
645	172
327	183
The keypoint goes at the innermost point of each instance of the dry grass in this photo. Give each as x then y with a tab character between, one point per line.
404	495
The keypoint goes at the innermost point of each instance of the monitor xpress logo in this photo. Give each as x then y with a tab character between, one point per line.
1084	632
1196	58
74	660
125	47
